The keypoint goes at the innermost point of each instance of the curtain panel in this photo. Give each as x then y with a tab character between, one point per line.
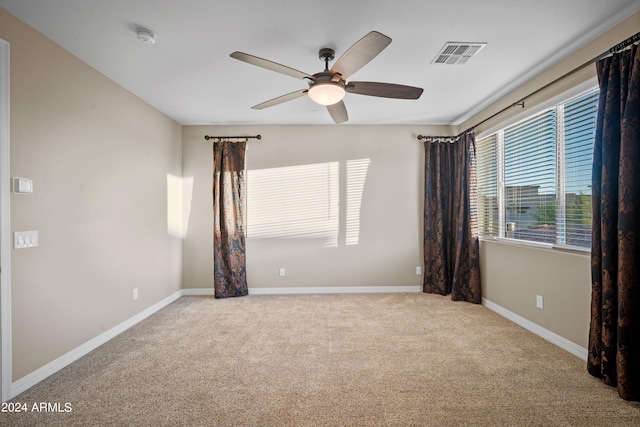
614	336
229	206
451	247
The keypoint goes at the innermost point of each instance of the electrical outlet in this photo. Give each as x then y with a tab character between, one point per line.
282	273
539	301
135	294
418	271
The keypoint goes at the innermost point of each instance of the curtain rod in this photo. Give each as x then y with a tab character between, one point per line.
449	139
229	138
617	48
620	46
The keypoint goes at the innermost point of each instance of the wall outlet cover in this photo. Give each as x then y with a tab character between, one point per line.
22	185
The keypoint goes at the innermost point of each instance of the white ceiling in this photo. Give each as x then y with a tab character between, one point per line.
189	76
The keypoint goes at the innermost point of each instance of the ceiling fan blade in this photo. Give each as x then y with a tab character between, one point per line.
270	65
384	90
358	55
279	100
338	112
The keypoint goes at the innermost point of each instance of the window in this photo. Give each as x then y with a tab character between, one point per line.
487	183
534	177
579	132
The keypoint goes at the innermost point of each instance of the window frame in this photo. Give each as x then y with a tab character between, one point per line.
558	104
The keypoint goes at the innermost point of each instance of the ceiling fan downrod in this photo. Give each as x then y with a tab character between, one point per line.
326	54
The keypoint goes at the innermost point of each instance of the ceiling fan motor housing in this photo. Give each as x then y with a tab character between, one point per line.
327	77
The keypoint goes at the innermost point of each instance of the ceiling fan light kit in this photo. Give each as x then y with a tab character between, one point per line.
326	93
330	86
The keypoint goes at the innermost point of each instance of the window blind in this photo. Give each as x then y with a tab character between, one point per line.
487	184
530	179
534	178
579	133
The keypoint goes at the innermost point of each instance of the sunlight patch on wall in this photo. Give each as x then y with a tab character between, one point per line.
356	177
294	202
179	195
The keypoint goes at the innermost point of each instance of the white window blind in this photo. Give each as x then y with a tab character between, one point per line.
487	181
534	178
579	133
530	179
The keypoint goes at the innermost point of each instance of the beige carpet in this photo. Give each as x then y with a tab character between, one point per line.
327	360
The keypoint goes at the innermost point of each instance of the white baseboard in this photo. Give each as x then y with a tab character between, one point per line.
197	291
315	290
334	290
552	337
54	366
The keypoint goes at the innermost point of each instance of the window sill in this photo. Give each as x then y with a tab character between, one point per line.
539	245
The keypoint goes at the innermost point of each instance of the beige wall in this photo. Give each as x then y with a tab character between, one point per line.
99	159
512	276
383	226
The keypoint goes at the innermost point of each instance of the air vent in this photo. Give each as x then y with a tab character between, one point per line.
457	52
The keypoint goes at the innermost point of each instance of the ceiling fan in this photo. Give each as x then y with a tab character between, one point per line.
328	87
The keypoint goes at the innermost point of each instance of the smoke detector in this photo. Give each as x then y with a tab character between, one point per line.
457	52
145	35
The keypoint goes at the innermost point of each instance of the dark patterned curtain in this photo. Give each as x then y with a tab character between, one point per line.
451	248
229	262
614	336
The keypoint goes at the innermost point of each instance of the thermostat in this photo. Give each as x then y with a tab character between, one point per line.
22	185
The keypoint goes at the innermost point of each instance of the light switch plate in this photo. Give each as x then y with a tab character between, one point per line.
25	239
